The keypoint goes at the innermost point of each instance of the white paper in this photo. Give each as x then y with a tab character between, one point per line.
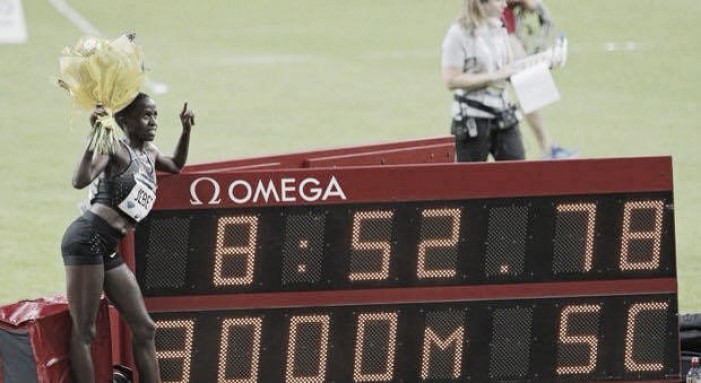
13	27
535	87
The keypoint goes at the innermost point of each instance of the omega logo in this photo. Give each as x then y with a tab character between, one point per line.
308	189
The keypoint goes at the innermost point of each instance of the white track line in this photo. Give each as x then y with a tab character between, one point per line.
75	18
87	27
628	46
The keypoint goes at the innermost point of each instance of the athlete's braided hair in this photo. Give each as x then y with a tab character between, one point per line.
129	109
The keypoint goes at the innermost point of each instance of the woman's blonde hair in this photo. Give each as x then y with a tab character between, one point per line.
472	14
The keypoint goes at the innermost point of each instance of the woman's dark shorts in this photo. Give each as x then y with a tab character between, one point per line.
503	144
90	240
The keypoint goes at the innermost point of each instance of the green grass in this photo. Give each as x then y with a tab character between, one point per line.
271	76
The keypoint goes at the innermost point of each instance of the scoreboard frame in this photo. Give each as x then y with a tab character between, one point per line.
393	189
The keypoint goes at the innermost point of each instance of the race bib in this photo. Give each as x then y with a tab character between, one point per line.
139	202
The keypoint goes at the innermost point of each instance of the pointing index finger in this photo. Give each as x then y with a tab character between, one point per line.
185	107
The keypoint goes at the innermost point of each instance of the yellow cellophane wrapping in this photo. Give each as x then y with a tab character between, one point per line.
98	71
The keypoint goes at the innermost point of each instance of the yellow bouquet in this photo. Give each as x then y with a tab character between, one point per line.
98	71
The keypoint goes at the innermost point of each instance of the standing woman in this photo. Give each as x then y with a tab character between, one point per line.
123	195
476	65
530	29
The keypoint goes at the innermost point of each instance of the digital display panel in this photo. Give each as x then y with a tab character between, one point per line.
221	251
543	271
575	339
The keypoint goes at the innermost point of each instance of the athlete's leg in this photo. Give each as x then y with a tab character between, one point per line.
84	291
537	124
123	291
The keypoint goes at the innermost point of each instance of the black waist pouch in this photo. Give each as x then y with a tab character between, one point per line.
505	118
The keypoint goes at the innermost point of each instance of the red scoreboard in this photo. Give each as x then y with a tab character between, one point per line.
393	264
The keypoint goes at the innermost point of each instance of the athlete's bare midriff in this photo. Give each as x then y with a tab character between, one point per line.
112	217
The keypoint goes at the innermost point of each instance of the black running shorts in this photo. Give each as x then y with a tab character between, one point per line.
90	240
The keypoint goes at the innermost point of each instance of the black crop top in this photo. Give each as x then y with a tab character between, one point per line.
112	191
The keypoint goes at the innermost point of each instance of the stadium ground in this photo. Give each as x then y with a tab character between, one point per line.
270	76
